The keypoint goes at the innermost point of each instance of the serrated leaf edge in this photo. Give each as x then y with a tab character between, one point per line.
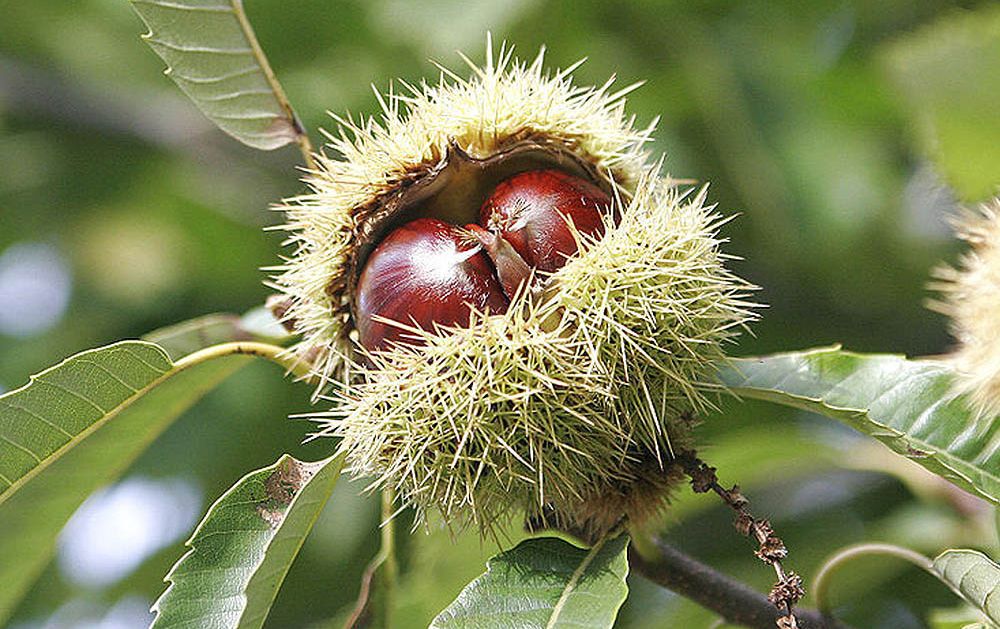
86	432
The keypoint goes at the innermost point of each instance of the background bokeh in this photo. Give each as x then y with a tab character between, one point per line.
843	133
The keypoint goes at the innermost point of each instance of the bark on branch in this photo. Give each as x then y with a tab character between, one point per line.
734	601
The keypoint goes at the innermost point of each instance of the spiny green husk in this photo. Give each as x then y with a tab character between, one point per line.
567	406
563	398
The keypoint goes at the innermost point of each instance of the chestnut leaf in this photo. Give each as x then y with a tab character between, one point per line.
212	54
546	583
78	425
974	577
75	427
243	548
907	404
190	336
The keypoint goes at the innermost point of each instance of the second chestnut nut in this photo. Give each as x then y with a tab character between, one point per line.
428	272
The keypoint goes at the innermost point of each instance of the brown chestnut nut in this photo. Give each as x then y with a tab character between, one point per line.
532	210
423	273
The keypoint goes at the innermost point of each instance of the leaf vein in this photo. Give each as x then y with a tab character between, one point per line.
186	7
237	94
21	447
39	417
76	394
573	582
188	48
199	80
110	374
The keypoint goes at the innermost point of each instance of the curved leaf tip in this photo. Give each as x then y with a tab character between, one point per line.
546	583
241	551
212	54
974	577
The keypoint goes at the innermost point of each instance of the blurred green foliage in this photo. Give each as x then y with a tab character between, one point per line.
833	128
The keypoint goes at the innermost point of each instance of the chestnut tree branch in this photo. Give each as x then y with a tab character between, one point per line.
736	602
788	589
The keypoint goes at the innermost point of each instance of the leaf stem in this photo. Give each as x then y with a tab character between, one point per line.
305	145
301	137
274	353
385	566
821	584
390	567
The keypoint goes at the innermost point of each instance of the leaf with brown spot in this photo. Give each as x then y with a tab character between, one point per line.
243	548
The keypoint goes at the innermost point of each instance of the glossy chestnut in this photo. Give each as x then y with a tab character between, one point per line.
423	273
532	211
429	272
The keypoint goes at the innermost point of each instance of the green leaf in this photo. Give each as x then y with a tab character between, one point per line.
973	576
963	617
547	583
906	404
441	563
212	53
948	73
243	548
75	427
